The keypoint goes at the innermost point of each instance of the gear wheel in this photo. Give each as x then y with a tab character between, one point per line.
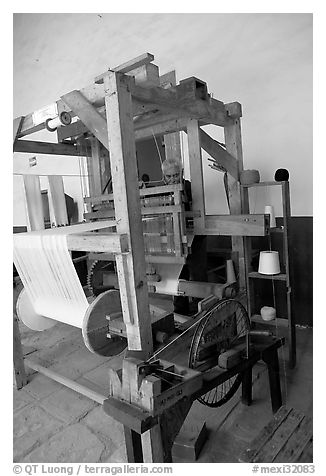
95	276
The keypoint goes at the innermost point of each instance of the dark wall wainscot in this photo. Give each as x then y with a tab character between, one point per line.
301	259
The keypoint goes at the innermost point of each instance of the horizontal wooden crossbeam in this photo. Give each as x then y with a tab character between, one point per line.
235	225
37	147
174	98
128	66
99	242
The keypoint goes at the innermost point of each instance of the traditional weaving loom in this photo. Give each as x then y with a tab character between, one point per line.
146	235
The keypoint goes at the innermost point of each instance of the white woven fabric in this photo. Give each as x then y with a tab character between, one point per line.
45	267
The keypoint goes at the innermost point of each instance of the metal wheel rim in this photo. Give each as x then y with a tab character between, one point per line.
223	392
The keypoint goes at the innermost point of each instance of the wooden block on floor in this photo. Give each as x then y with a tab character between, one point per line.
189	442
287	438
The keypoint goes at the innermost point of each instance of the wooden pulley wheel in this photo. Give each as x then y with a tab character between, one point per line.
95	326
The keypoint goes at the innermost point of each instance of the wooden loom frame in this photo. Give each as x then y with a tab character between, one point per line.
126	104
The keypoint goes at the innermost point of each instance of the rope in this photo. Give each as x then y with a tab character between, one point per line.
178	337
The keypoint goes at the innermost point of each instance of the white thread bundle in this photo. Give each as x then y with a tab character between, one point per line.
44	264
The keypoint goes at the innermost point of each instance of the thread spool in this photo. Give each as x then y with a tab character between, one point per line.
281	175
269	210
64	119
268	313
269	262
248	177
230	274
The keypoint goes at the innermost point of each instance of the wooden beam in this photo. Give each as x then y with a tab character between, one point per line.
238	197
67	382
196	171
18	122
88	115
18	356
36	147
109	212
235	225
172	143
98	242
131	267
221	156
160	126
143	192
210	110
128	66
94	168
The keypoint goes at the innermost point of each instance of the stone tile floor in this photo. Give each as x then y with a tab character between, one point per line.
54	424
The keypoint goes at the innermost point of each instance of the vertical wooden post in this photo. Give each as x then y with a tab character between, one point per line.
19	367
196	173
105	168
152	445
286	256
238	196
94	169
172	144
131	266
133	446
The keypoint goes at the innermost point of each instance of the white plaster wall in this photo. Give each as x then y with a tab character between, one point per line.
264	61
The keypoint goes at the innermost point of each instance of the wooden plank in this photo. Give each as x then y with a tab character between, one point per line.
172	144
129	415
238	198
280	437
234	110
152	445
88	114
210	110
133	445
98	242
131	267
94	94
51	148
142	122
58	200
72	384
196	172
34	202
221	156
19	367
146	75
128	66
94	169
234	225
143	192
263	437
275	277
307	453
166	124
17	125
288	270
297	443
263	184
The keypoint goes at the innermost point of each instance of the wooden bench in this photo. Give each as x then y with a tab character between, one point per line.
287	438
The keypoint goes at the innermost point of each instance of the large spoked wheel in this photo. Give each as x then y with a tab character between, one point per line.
222	328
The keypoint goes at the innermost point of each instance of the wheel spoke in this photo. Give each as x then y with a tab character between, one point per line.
223	326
